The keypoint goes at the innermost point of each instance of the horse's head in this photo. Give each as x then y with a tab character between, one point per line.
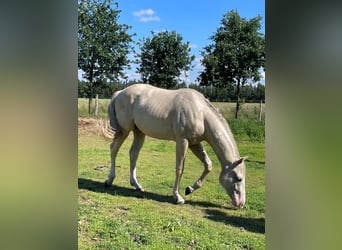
232	178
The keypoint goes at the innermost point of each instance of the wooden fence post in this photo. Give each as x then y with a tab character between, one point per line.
96	104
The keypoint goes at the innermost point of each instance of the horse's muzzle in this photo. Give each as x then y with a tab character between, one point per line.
238	204
238	200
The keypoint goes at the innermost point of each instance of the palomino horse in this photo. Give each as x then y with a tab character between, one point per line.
182	115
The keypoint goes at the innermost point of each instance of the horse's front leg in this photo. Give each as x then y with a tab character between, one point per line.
181	148
199	151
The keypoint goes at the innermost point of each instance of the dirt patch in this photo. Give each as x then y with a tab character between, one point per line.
89	125
93	126
84	123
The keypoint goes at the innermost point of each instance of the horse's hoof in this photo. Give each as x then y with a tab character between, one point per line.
106	184
140	190
181	202
188	190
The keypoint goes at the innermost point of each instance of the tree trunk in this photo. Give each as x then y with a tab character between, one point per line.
237	108
238	99
90	93
90	104
96	104
260	113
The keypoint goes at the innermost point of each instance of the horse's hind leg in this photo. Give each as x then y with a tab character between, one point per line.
199	151
138	142
181	149
119	138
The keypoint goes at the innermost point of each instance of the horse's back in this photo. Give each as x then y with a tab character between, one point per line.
160	113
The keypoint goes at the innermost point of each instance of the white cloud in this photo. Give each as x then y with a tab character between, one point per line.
149	19
193	45
142	12
147	15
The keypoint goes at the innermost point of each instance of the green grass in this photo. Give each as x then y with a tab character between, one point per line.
248	129
122	218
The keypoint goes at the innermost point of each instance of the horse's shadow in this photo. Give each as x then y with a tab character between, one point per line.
255	225
211	209
99	187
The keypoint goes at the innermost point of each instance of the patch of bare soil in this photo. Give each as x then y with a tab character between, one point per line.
90	125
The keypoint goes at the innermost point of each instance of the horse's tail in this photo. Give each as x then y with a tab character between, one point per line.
108	132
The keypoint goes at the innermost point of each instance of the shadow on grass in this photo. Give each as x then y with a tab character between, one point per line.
211	209
260	162
99	187
256	225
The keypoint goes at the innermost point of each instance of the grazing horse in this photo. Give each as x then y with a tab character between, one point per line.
187	118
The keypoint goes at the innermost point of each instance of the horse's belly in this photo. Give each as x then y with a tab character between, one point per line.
155	128
170	128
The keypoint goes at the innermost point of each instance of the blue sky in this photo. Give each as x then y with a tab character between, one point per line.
194	20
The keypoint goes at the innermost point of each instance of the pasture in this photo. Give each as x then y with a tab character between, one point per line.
121	218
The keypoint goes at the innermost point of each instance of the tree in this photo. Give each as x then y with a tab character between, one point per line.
236	56
162	59
103	44
260	92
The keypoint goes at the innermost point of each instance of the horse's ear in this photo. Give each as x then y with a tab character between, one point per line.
236	163
240	160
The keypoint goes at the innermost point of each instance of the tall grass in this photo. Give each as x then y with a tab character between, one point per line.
247	126
83	108
248	129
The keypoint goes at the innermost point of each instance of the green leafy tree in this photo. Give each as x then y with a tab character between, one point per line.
236	55
103	44
163	58
260	92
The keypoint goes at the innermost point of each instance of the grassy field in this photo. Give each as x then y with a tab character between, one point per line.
122	218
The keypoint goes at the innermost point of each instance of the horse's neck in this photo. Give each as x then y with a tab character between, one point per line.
221	140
